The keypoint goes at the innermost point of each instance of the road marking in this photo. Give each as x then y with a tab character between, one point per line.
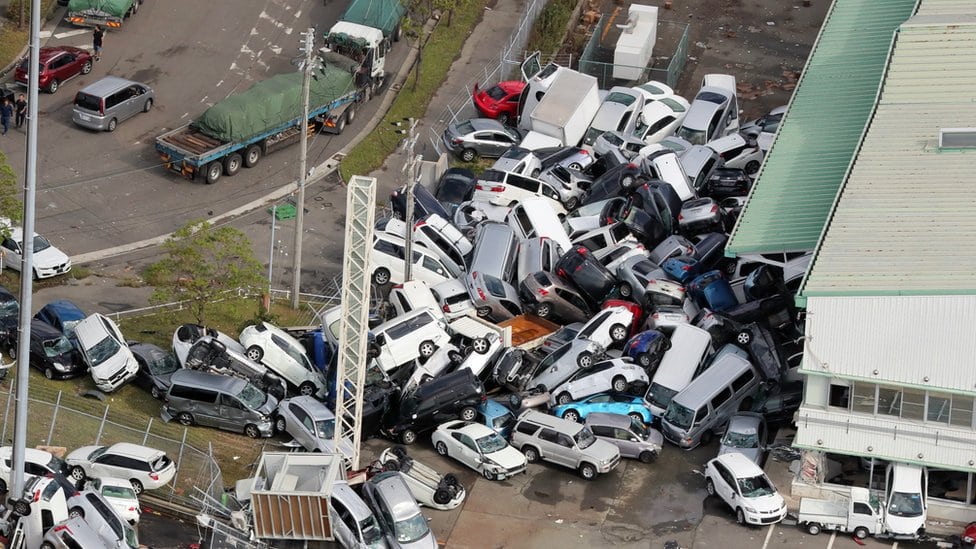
894	545
44	34
769	534
61	35
204	98
184	115
297	13
219	83
833	536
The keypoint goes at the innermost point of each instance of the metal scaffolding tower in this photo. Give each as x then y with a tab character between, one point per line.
354	326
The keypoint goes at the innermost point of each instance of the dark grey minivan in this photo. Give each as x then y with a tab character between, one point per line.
102	105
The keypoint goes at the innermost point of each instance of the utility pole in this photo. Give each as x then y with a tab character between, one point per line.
410	168
296	280
27	265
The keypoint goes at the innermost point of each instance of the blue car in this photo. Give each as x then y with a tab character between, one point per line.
63	315
681	268
630	405
647	348
712	291
497	416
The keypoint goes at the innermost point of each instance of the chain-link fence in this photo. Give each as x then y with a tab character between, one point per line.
54	424
597	58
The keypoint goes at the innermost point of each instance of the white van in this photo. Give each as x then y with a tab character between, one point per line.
413	295
387	255
534	218
414	335
662	163
445	240
505	189
690	346
538	254
106	352
453	299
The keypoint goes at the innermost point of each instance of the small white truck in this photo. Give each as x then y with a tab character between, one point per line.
858	513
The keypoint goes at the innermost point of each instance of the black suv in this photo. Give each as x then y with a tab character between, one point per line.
578	267
454	395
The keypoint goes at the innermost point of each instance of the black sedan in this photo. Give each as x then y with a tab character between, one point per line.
156	367
50	352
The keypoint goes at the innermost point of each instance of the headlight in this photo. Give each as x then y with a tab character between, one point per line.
59	367
749	509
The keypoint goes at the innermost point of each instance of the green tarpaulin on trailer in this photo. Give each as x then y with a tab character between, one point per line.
115	8
379	14
275	101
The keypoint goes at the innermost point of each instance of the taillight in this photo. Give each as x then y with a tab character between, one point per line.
446	308
584	152
420	223
686	267
396	286
101	106
581	250
560	272
457	141
62	527
154	476
481	294
681	216
682	288
714	208
543	292
656	316
632	166
37	495
493	189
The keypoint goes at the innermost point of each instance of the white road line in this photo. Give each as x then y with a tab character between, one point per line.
44	34
297	13
769	534
288	30
275	49
894	545
204	98
61	35
833	536
184	115
219	83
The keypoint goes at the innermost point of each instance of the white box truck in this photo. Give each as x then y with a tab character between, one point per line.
565	111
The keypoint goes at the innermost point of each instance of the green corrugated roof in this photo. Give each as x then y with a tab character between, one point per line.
903	223
793	195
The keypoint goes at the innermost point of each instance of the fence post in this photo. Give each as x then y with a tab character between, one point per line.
179	463
6	415
101	427
54	418
145	437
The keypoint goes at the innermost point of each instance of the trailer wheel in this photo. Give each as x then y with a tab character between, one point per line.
340	125
252	156
350	114
232	165
214	170
860	532
813	528
397	34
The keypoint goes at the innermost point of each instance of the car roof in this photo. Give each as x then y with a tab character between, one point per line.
473	429
739	465
44	331
30	454
511	86
700	114
134	450
316	408
49	52
108	85
480	124
206	380
745	422
607	418
553	422
393	490
64	309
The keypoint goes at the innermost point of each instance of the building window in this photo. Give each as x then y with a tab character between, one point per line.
938	408
962	411
913	404
950	485
864	397
889	401
839	397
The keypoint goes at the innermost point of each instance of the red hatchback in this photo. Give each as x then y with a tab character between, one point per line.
58	63
499	101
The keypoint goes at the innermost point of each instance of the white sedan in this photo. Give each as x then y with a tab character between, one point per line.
617	375
661	118
119	493
480	448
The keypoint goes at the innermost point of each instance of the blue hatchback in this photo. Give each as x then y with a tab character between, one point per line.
64	316
630	405
711	290
497	416
647	348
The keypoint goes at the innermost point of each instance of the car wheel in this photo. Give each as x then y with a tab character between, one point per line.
252	156
136	486
22	507
543	310
255	353
571	415
860	532
350	114
647	456
744	337
487	474
484	311
564	398
78	474
148	106
619	384
53	86
408	437
112	124
572	203
3	486
47	545
710	487
751	167
584	359
87	67
504	118
480	345
618	332
467	155
232	164
740	517
155	392
307	389
214	170
515	401
340	125
280	424
442	496
12	352
49	372
531	454
76	512
625	290
185	418
455	358
644	359
813	529
381	276
535	173
441	448
576	166
706	437
587	471
468	413
252	431
637	416
426	349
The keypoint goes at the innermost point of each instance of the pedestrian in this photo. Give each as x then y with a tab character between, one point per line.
21	110
6	111
97	41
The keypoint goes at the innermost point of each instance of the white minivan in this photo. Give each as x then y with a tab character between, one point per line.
386	259
106	352
413	295
534	218
680	364
408	337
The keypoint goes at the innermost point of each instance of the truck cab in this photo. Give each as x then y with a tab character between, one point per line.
364	44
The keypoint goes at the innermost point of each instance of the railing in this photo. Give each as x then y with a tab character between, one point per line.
590	64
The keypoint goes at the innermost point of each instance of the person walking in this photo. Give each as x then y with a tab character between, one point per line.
6	111
20	107
97	41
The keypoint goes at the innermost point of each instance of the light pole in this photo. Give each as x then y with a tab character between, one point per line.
296	280
410	167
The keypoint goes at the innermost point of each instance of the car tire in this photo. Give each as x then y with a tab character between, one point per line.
740	516
12	352
468	413
564	398
307	388
381	276
572	203
136	486
185	418
454	357
408	437
531	454
255	353
861	532
426	348
155	392
751	167
78	474
487	474
467	155
543	310
576	166
483	311
706	437
22	507
540	388
280	424
340	125
49	372
87	67
441	448
744	337
214	170
252	431
252	155
709	487
391	465
76	512
147	106
515	401
647	456
584	359
619	384
232	164
112	124
350	114
3	486
53	86
442	496
480	345
637	416
813	528
626	290
618	333
587	471
571	415
644	359
47	545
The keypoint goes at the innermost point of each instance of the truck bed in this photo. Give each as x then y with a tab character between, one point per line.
190	140
528	331
823	511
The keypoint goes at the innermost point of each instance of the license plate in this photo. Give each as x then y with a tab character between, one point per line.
84	117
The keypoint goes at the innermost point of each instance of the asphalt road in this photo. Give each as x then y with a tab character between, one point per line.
97	190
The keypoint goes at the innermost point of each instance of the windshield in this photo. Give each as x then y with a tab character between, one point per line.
501	423
56	347
660	396
164	364
9	308
591	135
102	351
68	327
679	416
496	93
58	464
325	428
371	530
620	97
491	443
40	243
904	504
613	139
123	492
495	286
585	438
695	137
252	397
294	353
411	529
741	440
754	487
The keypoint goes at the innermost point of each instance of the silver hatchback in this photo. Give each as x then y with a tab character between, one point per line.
102	105
549	297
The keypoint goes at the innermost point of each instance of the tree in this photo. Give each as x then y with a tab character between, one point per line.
203	262
11	206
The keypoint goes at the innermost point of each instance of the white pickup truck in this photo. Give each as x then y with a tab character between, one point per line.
858	512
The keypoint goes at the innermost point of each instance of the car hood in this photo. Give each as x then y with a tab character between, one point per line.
766	503
50	257
269	406
80	455
602	451
119	361
508	457
752	453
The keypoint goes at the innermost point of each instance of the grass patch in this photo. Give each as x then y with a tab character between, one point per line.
549	30
10	279
13	39
440	52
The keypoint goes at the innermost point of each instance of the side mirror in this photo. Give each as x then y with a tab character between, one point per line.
479	459
634	439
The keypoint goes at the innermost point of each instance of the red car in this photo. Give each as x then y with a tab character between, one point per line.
58	63
499	101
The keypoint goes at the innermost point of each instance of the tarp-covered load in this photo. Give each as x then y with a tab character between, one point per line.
277	100
379	14
101	8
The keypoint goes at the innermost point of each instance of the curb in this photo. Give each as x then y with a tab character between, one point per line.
23	52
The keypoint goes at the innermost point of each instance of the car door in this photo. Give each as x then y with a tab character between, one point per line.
109	465
302	427
467	451
37	354
343	524
232	413
626	442
133	105
566	451
724	483
546	441
11	253
66	68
